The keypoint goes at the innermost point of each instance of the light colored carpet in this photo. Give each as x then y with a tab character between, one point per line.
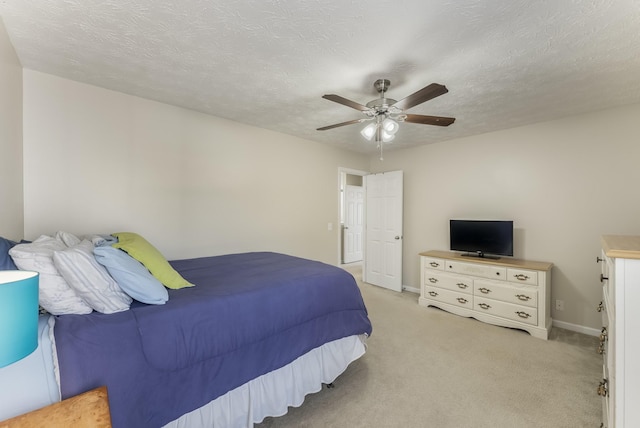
427	368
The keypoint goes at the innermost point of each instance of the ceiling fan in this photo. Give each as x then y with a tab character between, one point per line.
386	112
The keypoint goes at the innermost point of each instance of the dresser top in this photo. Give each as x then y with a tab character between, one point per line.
621	246
503	261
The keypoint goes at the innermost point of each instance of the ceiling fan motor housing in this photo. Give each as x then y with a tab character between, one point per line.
382	85
381	103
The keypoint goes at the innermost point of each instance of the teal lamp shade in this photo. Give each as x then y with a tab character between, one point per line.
18	315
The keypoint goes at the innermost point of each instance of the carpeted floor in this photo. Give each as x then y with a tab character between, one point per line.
427	368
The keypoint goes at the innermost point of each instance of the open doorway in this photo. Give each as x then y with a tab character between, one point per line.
352	211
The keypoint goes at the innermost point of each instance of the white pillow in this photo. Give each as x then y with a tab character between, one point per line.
69	239
55	295
89	279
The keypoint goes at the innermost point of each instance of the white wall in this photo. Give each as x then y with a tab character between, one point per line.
98	161
102	161
11	206
564	183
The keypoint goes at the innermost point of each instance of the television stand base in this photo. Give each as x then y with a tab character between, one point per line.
481	255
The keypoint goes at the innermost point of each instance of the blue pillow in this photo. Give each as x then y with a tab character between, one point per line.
131	275
6	262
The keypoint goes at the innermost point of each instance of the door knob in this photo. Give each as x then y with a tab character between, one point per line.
397	237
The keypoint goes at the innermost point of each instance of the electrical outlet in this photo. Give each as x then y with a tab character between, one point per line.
559	305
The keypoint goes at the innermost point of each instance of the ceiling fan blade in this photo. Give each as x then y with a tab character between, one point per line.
425	94
341	100
350	122
429	120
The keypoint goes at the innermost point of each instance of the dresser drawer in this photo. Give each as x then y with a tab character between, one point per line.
433	263
522	276
448	296
506	310
512	293
491	272
449	281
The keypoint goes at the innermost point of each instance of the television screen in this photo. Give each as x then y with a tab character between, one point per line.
482	236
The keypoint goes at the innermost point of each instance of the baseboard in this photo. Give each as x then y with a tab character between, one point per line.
411	289
577	328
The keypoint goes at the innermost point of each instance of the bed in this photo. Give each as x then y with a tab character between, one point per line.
256	333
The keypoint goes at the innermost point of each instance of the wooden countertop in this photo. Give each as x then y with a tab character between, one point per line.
621	246
502	261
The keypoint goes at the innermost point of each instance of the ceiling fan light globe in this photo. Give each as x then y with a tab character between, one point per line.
369	131
387	137
390	126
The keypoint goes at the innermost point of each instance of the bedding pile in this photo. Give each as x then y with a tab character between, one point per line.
100	272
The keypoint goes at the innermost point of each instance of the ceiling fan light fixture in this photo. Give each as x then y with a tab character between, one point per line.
390	126
369	131
387	137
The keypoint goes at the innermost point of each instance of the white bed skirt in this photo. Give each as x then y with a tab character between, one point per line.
271	394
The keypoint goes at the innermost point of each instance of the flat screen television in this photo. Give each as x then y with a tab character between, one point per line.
482	238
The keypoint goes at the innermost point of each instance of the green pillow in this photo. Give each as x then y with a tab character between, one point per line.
141	250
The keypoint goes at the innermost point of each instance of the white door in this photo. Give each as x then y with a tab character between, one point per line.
353	223
383	230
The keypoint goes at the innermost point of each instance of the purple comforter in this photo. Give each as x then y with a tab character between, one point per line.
248	314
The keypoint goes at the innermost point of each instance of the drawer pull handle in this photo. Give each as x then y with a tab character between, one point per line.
603	278
462	285
521	277
462	300
602	388
484	305
522	314
484	290
600	307
434	264
603	334
523	297
598	260
433	293
433	280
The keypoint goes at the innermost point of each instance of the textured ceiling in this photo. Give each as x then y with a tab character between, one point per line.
268	62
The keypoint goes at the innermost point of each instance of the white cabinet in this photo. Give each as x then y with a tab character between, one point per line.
620	337
507	292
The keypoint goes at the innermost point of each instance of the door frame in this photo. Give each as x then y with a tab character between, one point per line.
342	174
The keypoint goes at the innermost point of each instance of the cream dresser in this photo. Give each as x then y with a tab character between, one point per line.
507	292
620	338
